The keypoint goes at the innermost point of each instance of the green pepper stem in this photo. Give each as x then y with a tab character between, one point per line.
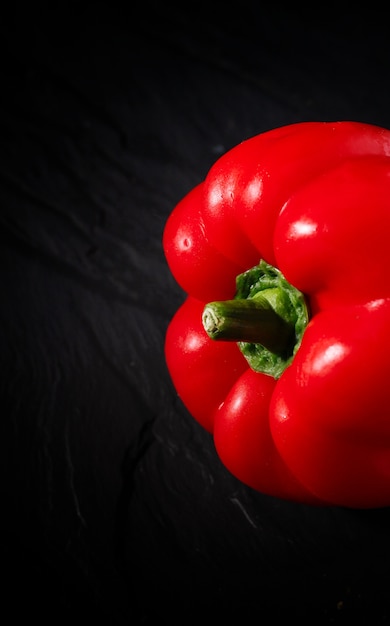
253	320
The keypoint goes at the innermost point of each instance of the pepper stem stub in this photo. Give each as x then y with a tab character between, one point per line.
266	318
253	321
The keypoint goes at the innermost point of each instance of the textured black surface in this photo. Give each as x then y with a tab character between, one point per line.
114	505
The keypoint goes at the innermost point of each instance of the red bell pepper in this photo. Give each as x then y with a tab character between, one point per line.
281	346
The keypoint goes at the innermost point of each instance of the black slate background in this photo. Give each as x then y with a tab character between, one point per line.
114	505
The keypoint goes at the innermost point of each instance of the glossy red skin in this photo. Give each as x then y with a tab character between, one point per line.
312	199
